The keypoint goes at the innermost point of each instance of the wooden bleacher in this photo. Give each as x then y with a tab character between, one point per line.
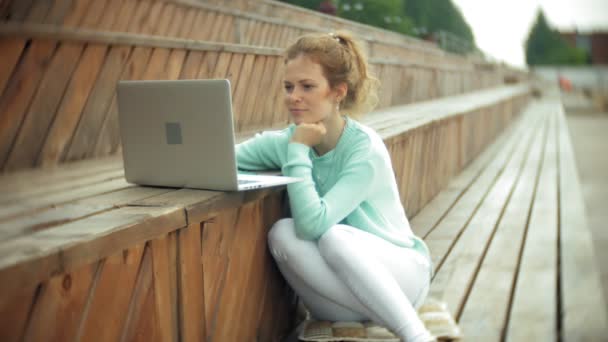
513	255
86	256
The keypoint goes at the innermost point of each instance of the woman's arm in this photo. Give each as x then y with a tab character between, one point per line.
263	151
314	215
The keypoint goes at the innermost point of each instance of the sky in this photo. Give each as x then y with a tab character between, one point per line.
501	27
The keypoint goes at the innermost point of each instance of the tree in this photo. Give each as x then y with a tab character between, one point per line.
545	46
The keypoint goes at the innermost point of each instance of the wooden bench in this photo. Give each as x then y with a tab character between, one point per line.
200	20
513	255
57	86
86	256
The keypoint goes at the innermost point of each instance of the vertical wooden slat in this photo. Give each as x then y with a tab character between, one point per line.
61	299
109	137
255	90
188	23
92	117
72	104
108	308
191	296
76	13
43	107
94	14
10	51
192	65
14	310
243	89
140	324
140	15
216	241
162	289
21	87
38	11
177	21
208	65
110	16
164	23
150	22
58	12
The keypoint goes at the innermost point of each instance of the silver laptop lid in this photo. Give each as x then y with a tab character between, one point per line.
178	133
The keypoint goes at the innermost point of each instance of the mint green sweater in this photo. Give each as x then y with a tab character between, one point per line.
353	184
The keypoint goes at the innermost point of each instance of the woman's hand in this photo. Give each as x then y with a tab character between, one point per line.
310	134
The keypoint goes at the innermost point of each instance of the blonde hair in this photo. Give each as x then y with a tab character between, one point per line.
342	60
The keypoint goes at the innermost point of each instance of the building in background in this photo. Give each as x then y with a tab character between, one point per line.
594	43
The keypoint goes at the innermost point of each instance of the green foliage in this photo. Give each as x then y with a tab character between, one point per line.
386	14
411	17
545	46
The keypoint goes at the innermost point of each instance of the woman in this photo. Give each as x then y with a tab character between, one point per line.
348	251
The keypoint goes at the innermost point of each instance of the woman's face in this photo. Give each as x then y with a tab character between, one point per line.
308	96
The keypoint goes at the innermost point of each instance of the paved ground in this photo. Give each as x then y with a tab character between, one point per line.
589	132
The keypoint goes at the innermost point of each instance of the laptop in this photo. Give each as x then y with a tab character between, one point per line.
180	133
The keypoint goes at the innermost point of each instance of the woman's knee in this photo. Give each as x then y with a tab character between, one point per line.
280	235
334	242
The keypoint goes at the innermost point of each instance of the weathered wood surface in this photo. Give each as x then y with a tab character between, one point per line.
508	262
59	102
255	25
68	236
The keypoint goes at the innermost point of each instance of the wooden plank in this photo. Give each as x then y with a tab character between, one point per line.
467	249
201	28
109	16
58	12
109	135
217	240
26	193
139	18
141	319
176	21
94	14
584	316
21	87
208	65
243	88
38	11
265	81
442	237
18	10
123	18
162	27
10	51
238	270
150	21
74	211
61	300
32	205
54	251
107	309
167	322
256	90
188	23
191	289
484	317
192	65
535	292
14	310
25	179
72	104
76	13
100	98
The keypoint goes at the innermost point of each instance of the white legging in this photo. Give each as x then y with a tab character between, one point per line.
352	275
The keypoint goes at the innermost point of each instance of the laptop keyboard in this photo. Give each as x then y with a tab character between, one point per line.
246	181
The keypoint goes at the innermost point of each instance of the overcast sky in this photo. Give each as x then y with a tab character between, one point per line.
501	27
